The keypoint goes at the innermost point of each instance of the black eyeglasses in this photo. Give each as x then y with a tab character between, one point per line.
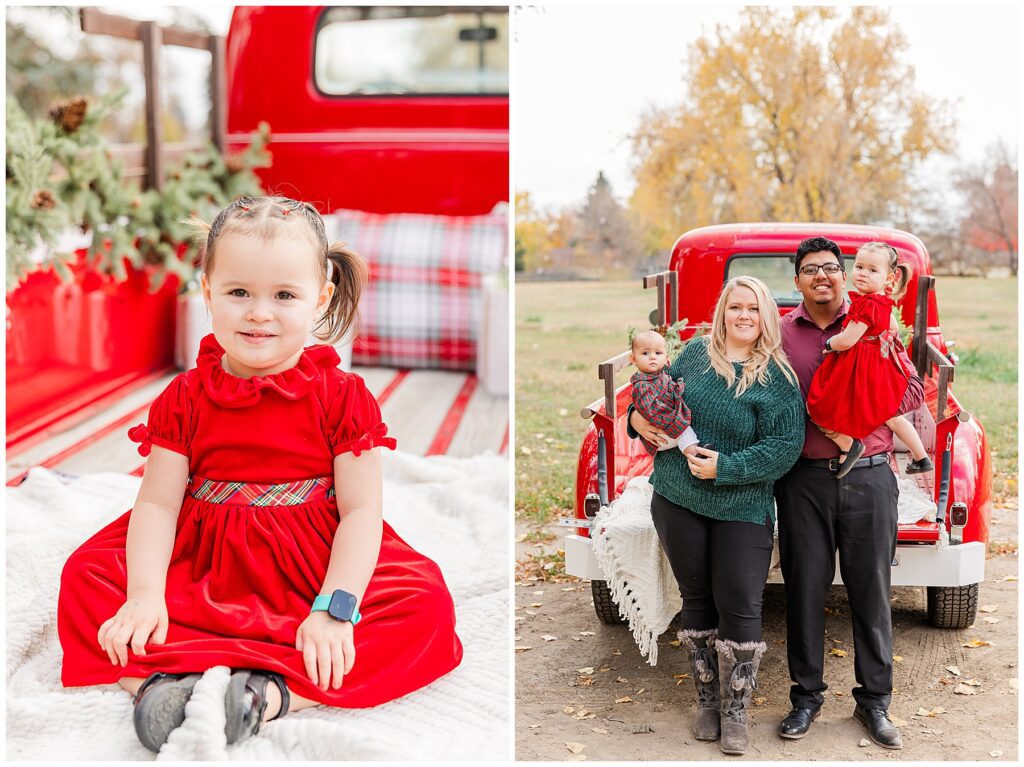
812	269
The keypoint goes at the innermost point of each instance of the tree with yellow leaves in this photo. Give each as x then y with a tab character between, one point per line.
801	114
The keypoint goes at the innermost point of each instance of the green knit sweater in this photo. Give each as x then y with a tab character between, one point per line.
758	436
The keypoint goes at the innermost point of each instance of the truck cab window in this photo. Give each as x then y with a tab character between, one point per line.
382	51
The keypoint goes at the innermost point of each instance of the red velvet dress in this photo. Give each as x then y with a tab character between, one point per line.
242	578
855	391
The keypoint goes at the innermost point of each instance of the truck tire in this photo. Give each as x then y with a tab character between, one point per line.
952	607
605	607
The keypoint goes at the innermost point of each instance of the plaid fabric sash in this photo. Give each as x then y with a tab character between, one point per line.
257	494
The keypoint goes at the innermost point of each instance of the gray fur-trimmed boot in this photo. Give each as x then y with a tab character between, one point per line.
737	668
707	723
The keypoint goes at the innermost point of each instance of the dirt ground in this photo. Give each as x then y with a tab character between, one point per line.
565	714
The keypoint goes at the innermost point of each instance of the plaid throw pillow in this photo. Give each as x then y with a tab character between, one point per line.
422	308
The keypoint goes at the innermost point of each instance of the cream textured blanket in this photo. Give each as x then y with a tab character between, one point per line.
455	510
637	571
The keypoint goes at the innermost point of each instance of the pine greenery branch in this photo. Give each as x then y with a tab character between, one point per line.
62	176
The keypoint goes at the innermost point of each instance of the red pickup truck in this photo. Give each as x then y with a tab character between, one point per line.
945	554
384	110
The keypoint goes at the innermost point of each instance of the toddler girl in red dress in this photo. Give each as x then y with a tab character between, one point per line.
256	541
860	388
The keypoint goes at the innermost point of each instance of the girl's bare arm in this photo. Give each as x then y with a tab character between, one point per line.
848	336
151	529
327	646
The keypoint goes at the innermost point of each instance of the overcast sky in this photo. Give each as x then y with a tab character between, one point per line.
583	76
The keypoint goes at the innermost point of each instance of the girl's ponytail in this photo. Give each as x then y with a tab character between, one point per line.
349	274
904	273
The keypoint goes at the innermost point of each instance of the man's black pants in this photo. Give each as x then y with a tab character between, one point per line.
856	515
721	568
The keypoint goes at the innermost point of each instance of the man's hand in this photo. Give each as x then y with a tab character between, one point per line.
139	620
327	649
643	427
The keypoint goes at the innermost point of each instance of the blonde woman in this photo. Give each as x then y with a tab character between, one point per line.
714	511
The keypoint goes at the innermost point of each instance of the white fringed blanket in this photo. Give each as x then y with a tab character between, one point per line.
454	510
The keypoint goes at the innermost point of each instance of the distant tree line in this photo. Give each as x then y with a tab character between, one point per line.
805	115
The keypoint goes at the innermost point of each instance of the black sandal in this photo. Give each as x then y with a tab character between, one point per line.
246	701
919	467
160	706
852	456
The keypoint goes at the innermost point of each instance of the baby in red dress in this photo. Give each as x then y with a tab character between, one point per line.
257	540
861	386
656	396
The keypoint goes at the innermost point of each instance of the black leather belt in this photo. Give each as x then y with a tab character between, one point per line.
833	463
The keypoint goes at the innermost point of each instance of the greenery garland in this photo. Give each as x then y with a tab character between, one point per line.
61	176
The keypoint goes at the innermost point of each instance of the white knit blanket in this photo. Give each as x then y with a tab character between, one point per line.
454	510
638	573
627	548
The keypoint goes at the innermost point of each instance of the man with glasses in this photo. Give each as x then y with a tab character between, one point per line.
820	514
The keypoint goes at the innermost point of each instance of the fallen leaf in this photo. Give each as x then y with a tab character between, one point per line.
603	670
568	709
1012	683
897	720
838	653
549	638
525	450
520	618
569	588
575	747
987	619
621	679
972	682
680	676
864	742
932	732
534	726
582	713
536	604
976	643
897	658
624	699
589	634
995	753
641	729
599	730
614	652
521	538
576	639
1008	578
530	612
964	689
587	670
988	608
760	701
538	593
676	642
563	411
640	691
523	648
953	670
585	681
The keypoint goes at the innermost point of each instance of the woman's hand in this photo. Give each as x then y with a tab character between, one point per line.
140	620
704	464
327	649
643	427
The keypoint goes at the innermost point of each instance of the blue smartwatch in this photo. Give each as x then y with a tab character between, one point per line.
340	605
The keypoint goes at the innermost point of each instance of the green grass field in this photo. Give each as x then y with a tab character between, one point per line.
564	329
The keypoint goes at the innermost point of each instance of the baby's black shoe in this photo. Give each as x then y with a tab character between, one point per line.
851	457
919	467
160	706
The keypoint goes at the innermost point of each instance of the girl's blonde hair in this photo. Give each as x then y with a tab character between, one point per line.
267	217
892	260
767	348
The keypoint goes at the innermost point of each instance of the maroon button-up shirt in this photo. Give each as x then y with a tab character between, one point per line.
804	342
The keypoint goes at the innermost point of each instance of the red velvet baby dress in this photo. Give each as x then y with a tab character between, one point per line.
243	577
855	391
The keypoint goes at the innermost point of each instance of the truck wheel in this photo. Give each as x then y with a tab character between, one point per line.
952	607
605	607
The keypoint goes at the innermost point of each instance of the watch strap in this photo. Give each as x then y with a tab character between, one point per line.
322	602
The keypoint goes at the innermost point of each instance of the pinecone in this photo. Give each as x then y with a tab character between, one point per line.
69	115
234	163
43	200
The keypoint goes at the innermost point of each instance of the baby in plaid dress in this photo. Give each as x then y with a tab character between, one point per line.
656	396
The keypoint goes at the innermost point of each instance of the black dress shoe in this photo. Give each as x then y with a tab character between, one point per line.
798	722
881	730
852	456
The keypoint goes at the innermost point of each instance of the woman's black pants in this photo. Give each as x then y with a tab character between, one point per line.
721	568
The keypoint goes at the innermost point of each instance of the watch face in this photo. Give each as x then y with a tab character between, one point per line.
342	606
